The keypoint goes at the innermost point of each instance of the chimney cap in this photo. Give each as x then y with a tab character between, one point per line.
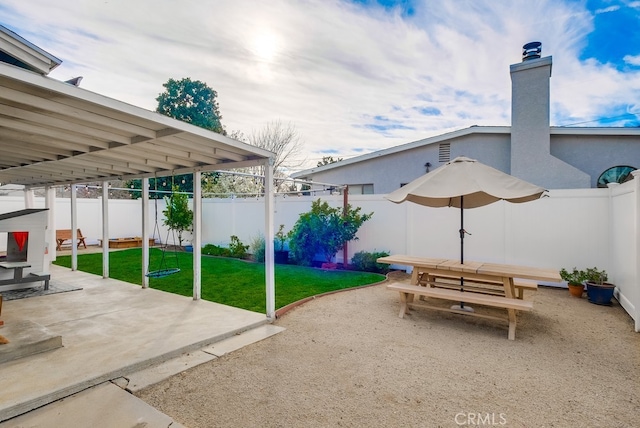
531	50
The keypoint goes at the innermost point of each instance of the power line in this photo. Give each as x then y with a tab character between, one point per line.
599	120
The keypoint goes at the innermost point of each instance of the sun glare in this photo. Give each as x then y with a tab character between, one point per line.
265	46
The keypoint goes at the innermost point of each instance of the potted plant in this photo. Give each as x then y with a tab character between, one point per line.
281	255
575	281
599	291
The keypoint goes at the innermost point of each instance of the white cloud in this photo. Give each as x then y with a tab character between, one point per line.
608	9
329	67
632	60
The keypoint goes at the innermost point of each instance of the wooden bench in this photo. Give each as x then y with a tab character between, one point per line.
407	292
477	286
63	235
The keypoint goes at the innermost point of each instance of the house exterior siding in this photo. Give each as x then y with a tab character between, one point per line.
593	154
388	172
550	157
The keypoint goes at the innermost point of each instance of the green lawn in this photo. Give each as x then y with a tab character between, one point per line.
228	281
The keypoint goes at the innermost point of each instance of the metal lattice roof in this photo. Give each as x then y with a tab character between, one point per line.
53	133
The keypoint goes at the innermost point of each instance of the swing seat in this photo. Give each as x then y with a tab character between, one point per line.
162	273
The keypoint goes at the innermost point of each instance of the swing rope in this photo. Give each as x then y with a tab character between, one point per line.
163	270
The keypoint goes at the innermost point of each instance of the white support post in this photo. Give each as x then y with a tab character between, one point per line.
74	228
28	198
197	235
145	231
50	238
270	279
105	229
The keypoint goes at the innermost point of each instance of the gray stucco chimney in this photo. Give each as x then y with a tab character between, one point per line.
531	158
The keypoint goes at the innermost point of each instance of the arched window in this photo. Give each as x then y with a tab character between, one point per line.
615	174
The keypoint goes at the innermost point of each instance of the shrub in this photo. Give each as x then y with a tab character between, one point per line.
215	250
280	241
366	262
178	216
258	248
324	230
237	249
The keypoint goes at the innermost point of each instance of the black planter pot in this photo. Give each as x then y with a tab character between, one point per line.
600	294
281	257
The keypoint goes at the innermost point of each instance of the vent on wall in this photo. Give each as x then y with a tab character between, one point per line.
445	152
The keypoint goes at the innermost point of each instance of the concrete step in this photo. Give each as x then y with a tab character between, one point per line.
152	375
26	338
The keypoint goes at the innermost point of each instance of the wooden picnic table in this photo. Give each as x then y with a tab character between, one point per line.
488	284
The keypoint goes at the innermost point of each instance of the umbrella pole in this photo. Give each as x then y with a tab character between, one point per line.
461	306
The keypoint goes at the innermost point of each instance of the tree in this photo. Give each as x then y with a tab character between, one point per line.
223	185
178	215
281	139
324	230
191	101
162	185
326	160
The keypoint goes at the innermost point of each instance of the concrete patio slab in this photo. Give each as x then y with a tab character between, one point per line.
104	406
109	329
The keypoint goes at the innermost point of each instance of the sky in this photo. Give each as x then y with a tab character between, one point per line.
351	76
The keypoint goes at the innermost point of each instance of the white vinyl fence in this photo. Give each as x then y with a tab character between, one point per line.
582	228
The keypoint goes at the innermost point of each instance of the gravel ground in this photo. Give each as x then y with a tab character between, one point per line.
347	360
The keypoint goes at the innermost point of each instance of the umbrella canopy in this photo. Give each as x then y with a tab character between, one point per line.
465	183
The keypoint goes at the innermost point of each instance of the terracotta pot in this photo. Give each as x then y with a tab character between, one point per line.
576	290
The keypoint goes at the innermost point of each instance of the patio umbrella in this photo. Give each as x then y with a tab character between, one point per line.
465	183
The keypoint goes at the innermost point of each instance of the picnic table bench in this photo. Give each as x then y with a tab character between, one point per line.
487	284
63	235
407	291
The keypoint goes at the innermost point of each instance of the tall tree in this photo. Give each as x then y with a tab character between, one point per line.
191	101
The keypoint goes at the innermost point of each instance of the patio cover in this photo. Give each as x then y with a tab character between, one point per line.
53	133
